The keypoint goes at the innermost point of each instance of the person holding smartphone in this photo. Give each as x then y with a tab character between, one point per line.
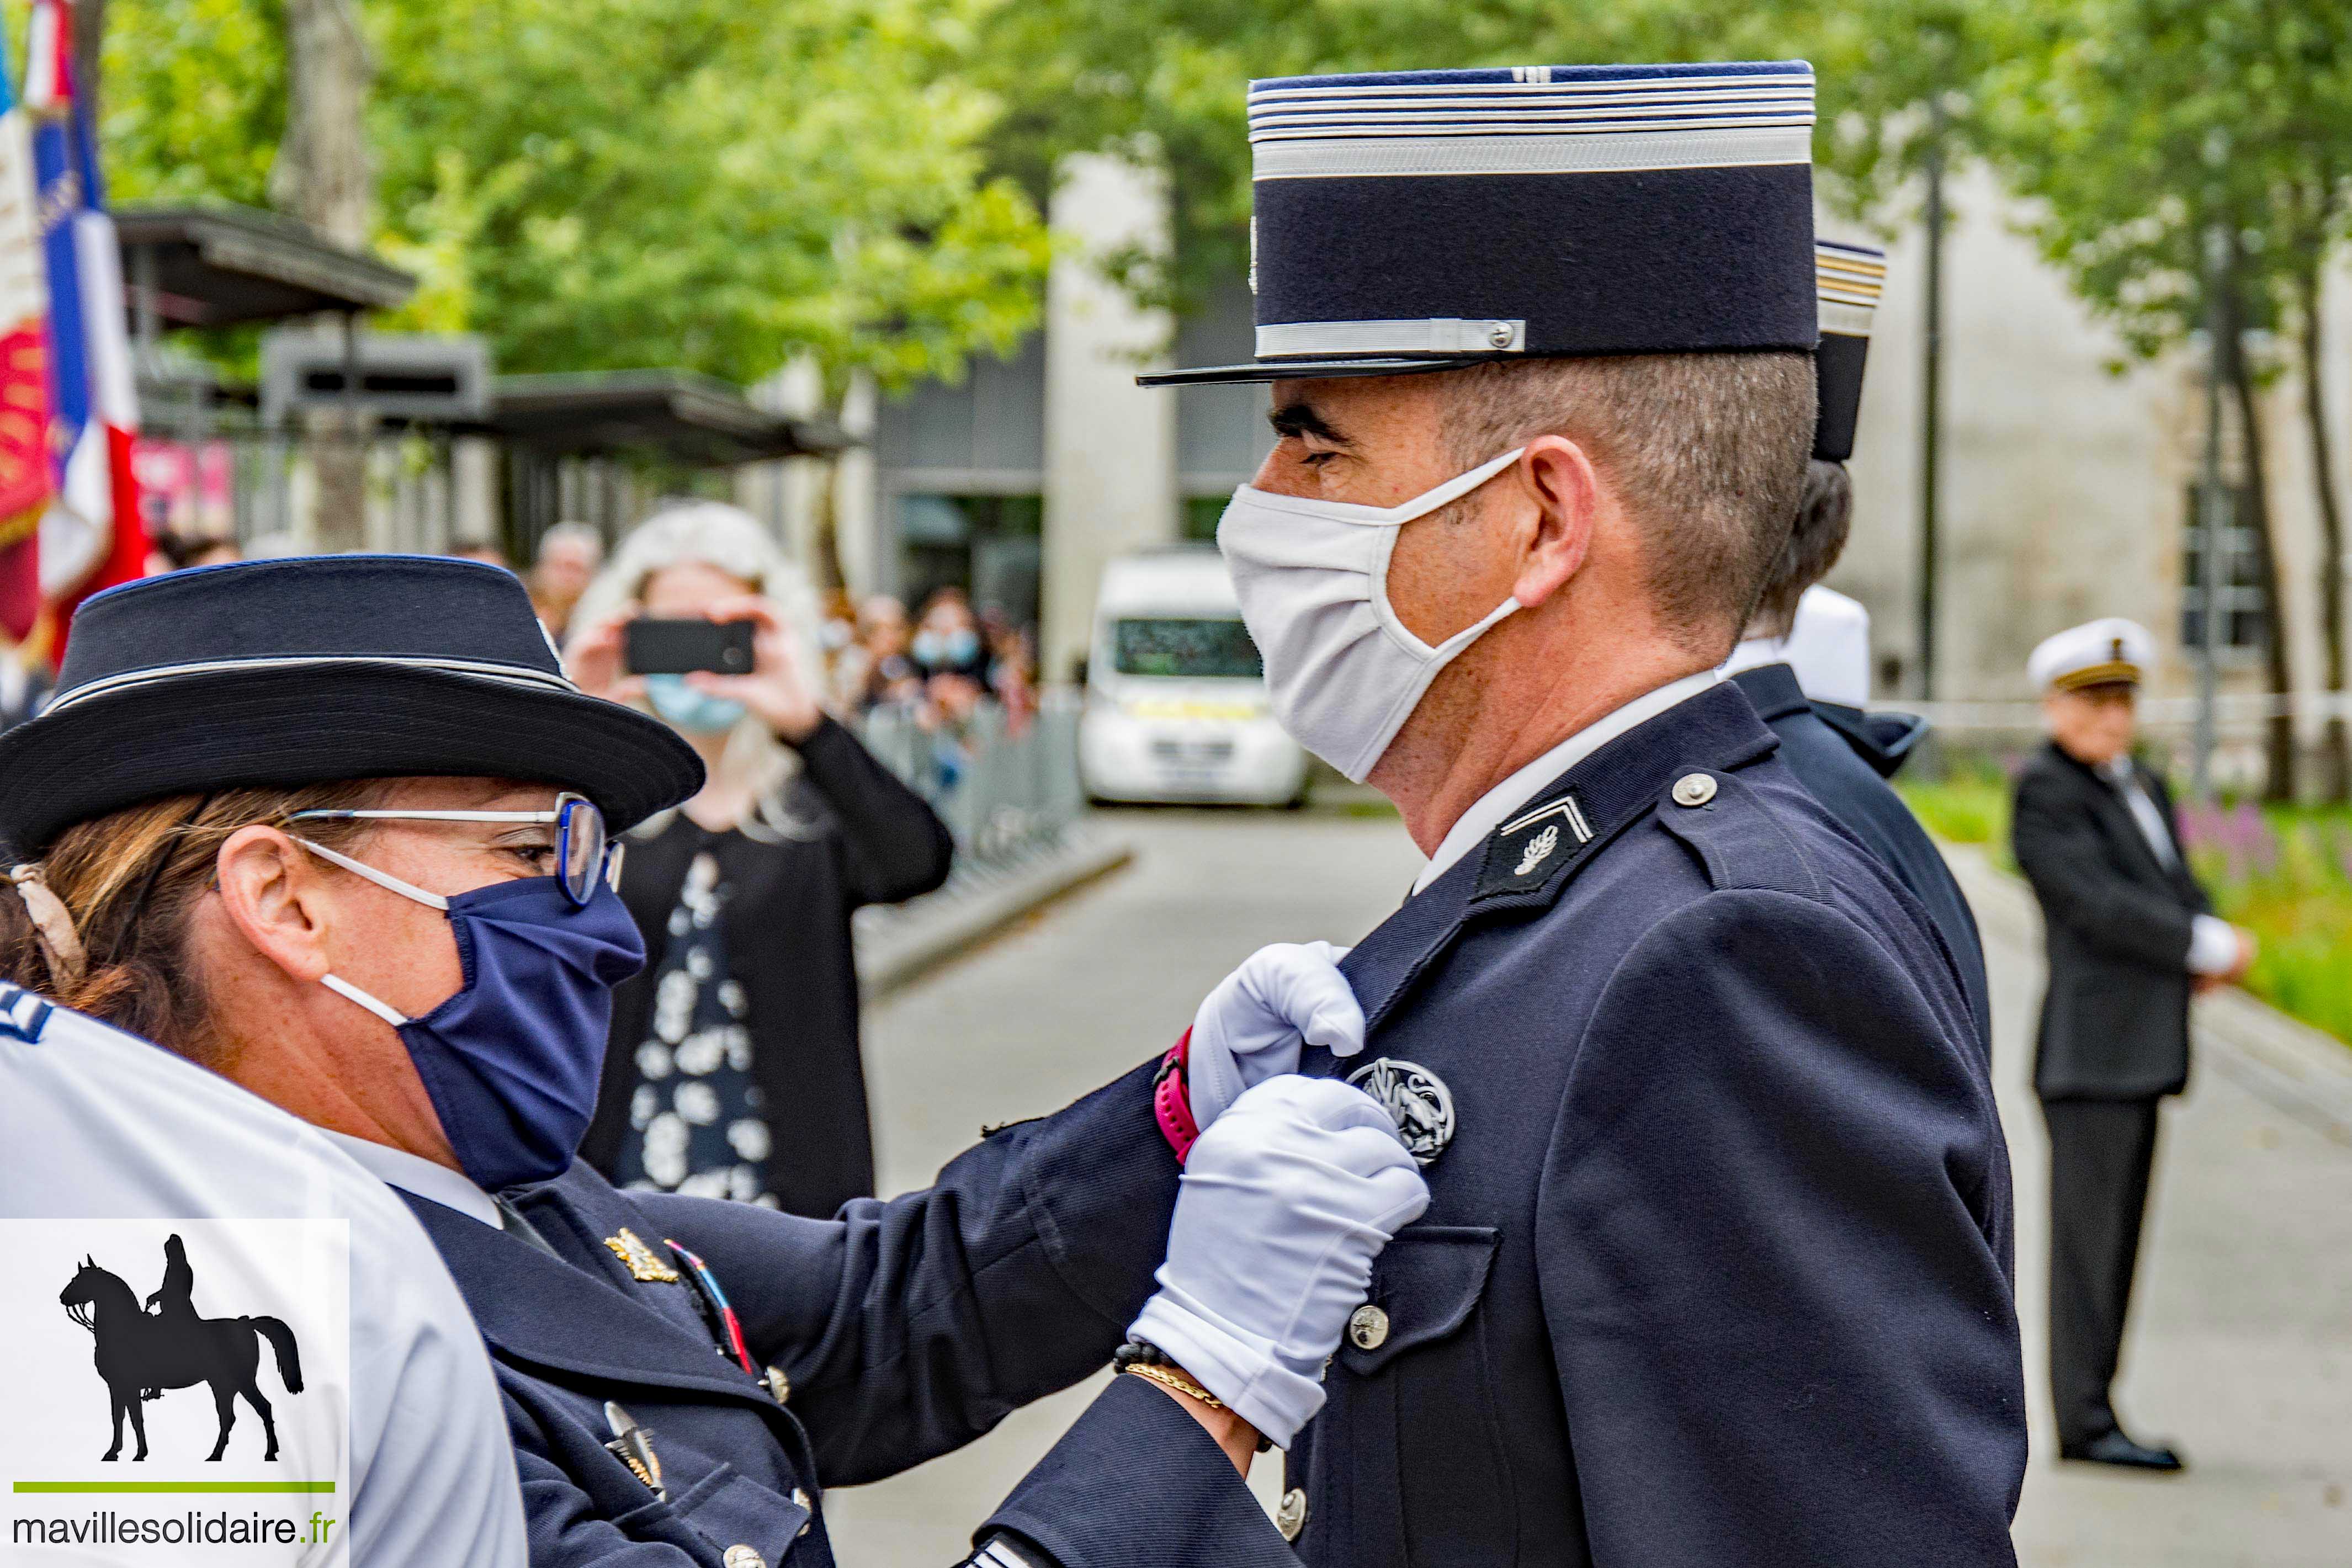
735	1067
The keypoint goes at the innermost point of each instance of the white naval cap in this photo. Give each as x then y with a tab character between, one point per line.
1828	647
2096	654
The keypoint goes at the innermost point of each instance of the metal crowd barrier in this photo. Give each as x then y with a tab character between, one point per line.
1002	795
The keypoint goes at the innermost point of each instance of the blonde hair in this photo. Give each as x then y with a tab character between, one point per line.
128	883
729	539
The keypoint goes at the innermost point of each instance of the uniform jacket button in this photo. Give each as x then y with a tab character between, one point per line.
1693	789
779	1387
802	1501
1290	1518
1367	1328
744	1557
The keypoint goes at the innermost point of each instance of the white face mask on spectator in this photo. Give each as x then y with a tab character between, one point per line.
1342	672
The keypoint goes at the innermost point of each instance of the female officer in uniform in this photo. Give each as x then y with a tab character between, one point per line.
338	828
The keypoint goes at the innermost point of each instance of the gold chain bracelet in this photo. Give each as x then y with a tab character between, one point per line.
1168	1377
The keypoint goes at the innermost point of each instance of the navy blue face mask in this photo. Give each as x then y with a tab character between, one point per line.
513	1061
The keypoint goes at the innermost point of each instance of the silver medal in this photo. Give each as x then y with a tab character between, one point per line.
1415	1098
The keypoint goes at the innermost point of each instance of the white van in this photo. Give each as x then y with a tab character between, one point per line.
1176	705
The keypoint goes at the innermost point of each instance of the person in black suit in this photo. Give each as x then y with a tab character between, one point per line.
2130	935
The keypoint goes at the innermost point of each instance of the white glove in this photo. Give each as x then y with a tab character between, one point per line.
1250	1027
1285	1204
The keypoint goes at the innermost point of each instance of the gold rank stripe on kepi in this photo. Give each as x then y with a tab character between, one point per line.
1849	274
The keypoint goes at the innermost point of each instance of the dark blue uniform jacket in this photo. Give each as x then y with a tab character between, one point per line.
1845	756
900	1331
1717	1266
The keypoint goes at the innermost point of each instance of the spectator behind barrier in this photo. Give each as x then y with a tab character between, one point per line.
891	674
735	1067
569	557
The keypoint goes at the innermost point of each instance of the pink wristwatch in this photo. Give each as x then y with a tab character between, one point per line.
1171	1103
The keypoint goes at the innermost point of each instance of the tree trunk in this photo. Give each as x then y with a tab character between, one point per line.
324	177
826	517
2337	757
2279	730
88	33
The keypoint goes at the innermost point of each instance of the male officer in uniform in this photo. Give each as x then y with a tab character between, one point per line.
2130	937
1715	1266
1844	755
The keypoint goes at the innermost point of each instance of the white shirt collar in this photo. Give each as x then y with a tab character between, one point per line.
414	1174
1754	651
1471	828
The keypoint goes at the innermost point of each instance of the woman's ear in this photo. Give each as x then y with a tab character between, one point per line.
1568	500
275	898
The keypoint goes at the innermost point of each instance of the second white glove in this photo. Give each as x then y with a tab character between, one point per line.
1285	1204
1251	1028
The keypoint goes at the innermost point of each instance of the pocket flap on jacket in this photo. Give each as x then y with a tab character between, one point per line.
1427	1281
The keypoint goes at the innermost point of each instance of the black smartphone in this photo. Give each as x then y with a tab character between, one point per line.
655	647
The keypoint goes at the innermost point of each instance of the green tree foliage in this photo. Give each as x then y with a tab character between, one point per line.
2138	127
194	99
605	183
1165	81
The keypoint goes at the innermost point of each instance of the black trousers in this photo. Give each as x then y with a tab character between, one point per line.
2100	1155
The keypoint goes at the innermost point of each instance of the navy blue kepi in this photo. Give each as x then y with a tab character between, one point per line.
1420	220
318	669
1851	278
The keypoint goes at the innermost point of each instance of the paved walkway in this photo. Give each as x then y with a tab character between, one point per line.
2242	1343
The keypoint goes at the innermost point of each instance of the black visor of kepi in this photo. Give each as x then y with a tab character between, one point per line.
1425	219
1851	278
316	669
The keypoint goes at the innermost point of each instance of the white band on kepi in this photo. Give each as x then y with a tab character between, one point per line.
1435	334
1355	155
1845	320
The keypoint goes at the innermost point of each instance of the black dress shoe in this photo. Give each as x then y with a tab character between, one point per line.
2112	1448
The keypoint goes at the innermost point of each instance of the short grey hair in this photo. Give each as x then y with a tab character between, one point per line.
1707	450
580	533
728	539
712	534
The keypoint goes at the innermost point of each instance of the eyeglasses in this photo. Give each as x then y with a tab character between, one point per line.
584	851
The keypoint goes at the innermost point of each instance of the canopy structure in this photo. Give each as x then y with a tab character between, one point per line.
226	265
689	419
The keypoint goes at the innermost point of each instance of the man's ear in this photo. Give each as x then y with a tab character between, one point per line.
273	895
1567	500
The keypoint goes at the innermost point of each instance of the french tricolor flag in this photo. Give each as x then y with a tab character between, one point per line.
92	536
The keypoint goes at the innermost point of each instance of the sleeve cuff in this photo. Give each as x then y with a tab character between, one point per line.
1241	1370
828	733
2212	945
1138	1483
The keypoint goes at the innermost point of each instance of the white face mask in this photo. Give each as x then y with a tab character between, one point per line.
1343	672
